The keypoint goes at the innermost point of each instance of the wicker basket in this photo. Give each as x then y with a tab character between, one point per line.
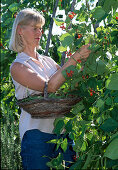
48	107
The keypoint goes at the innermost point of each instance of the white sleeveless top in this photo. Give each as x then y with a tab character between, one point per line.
46	69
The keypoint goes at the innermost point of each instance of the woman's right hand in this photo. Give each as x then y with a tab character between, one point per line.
82	53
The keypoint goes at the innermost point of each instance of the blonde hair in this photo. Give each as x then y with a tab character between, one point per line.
24	17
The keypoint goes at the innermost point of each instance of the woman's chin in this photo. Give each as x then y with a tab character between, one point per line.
38	47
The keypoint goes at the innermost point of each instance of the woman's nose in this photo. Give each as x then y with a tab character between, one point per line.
39	30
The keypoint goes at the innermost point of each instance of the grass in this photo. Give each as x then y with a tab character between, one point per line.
10	140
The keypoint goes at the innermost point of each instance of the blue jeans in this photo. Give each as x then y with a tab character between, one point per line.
34	146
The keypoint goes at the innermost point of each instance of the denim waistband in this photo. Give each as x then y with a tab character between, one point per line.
36	134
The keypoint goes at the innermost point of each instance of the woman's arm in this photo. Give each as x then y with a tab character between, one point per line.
57	79
28	78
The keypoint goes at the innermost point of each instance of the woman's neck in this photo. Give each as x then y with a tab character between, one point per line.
31	52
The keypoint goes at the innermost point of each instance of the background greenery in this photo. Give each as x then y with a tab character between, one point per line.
93	122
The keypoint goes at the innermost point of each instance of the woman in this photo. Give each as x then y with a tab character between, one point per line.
29	72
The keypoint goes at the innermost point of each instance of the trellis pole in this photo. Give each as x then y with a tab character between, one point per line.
50	28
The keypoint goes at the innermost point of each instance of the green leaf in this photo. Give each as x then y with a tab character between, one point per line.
78	144
102	18
62	49
13	7
92	83
72	135
59	127
98	12
8	22
114	94
88	160
49	164
83	148
53	141
101	67
58	22
90	39
78	41
116	100
109	125
57	161
108	5
111	163
89	136
112	82
64	145
114	33
76	165
63	36
94	47
68	126
112	150
114	136
78	107
54	163
59	142
82	16
100	103
114	113
108	101
66	39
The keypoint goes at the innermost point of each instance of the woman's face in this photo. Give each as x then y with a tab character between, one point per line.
31	34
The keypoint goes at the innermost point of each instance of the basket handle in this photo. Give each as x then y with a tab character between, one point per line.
45	90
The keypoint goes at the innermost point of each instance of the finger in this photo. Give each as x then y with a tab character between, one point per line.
85	53
85	46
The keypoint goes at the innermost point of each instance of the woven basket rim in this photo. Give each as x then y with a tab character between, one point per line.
65	103
41	100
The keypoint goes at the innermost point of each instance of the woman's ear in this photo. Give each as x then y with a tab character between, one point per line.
19	30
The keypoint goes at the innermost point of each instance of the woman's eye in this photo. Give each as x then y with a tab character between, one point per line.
36	29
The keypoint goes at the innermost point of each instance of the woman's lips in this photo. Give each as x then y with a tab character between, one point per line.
37	38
